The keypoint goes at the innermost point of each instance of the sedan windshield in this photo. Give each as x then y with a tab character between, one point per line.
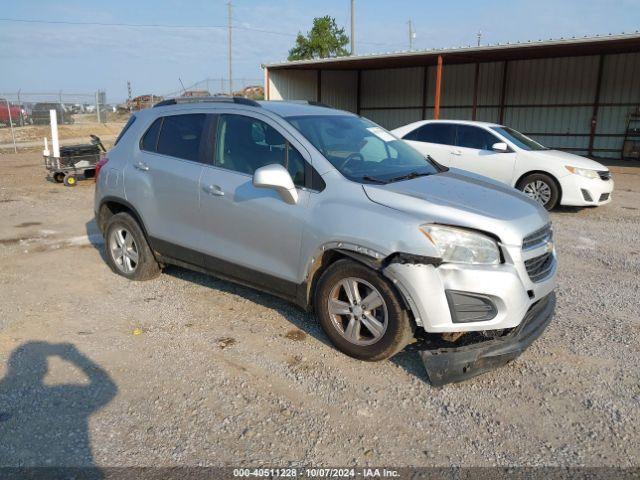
361	150
521	140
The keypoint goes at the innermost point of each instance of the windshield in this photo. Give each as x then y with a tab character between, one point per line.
519	139
361	150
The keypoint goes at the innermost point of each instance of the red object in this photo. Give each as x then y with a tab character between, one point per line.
101	163
436	109
4	113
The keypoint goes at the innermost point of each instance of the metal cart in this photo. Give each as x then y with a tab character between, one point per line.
74	162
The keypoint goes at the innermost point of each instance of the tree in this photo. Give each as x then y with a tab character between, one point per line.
324	39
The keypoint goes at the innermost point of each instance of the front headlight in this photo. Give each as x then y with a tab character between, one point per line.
583	172
462	246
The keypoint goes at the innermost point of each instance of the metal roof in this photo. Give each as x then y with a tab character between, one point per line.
562	47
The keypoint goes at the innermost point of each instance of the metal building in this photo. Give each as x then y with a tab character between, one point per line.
572	94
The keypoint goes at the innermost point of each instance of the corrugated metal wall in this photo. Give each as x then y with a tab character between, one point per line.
550	99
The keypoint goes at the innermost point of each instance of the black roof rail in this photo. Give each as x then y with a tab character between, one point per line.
310	102
215	99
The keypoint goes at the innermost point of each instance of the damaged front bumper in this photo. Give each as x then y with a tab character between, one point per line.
447	365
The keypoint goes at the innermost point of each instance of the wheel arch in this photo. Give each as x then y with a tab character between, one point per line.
541	172
110	206
330	256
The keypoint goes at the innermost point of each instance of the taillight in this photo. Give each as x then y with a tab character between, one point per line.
101	163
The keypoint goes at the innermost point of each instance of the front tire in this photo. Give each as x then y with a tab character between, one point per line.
128	253
361	313
541	188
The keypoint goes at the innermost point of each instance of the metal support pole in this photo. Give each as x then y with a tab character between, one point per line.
22	119
230	53
596	106
425	87
358	91
503	91
98	105
13	135
411	35
436	106
353	27
319	86
476	82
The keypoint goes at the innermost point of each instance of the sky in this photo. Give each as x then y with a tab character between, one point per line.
52	57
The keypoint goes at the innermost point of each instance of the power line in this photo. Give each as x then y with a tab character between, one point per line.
103	24
164	25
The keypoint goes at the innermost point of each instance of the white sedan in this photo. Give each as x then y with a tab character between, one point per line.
551	177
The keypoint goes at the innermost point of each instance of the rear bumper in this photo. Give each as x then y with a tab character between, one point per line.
447	365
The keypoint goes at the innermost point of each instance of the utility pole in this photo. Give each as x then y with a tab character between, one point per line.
412	35
230	50
479	35
129	97
353	27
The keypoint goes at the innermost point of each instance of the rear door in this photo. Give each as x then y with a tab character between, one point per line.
436	139
473	152
247	226
163	180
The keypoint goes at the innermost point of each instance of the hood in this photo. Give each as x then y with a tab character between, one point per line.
457	198
567	159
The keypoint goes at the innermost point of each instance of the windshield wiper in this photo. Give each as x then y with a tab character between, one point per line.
367	178
409	176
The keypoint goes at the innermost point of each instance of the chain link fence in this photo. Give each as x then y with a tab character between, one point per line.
25	117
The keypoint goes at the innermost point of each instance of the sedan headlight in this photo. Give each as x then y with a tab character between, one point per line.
462	246
584	172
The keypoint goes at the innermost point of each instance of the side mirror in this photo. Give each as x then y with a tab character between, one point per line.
500	147
275	176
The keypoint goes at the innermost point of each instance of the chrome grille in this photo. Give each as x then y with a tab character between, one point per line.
539	267
604	174
537	238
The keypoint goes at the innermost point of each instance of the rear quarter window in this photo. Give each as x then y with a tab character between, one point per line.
126	127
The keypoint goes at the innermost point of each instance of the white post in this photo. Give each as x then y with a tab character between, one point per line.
53	115
45	152
13	135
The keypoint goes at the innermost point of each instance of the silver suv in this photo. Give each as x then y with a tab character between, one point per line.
332	212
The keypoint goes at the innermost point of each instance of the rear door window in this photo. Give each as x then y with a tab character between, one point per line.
475	137
440	133
181	136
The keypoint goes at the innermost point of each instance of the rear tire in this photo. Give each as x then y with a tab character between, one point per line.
127	251
541	188
58	177
361	312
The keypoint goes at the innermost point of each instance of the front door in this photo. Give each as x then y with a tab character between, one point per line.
253	234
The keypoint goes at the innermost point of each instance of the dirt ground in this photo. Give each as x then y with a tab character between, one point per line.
190	370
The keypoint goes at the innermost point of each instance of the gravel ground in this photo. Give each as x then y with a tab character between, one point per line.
191	370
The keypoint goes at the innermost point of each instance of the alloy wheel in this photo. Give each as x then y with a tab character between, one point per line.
539	191
358	311
124	250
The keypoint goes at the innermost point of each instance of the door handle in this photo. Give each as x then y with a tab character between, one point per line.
141	166
214	190
456	152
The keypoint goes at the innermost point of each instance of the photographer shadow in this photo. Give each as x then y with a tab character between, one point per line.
47	425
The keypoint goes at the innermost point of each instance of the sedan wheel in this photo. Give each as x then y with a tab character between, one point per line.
358	311
539	191
542	188
124	250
